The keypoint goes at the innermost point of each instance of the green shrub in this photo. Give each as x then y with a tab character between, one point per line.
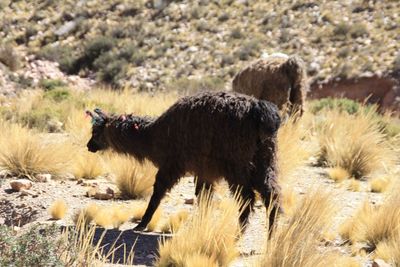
51	84
341	104
58	94
96	48
36	247
64	55
113	72
39	118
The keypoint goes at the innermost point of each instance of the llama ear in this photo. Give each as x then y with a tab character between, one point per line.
88	113
101	113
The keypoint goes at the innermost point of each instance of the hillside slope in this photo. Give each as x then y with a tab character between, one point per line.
153	45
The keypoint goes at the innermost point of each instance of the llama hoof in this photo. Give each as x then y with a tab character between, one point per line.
139	228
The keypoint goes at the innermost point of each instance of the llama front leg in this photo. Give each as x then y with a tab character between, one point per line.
163	183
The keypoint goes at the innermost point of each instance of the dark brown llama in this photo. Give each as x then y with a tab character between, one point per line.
211	135
278	78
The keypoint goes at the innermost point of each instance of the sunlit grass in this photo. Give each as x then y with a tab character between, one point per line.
133	179
58	209
295	243
209	236
26	153
373	225
355	143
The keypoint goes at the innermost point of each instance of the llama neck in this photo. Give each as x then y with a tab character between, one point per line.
131	137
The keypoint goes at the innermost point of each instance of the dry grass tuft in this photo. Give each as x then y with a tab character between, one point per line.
289	200
25	153
87	214
373	225
175	221
338	174
137	210
389	250
354	142
295	243
88	165
381	184
134	180
210	233
354	185
58	209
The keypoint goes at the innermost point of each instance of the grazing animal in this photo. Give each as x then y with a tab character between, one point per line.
212	135
277	78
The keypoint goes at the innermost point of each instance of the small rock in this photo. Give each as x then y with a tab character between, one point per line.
92	191
43	178
150	256
18	185
26	192
66	28
189	201
380	263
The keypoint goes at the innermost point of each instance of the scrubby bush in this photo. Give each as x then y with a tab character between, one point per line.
50	84
339	104
44	247
64	55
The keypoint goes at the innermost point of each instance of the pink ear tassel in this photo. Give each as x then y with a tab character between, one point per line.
136	126
123	117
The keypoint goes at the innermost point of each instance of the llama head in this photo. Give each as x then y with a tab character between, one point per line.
99	120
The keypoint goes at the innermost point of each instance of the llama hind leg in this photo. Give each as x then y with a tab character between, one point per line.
163	183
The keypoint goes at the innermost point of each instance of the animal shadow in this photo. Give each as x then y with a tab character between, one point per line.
145	245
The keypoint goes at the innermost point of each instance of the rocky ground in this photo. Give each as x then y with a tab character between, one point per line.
32	207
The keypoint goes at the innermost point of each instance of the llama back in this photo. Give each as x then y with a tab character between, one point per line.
222	125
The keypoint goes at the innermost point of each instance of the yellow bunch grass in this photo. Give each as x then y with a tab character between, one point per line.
175	221
88	165
295	242
27	153
355	143
137	210
373	225
58	209
380	184
133	179
338	174
209	237
389	250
